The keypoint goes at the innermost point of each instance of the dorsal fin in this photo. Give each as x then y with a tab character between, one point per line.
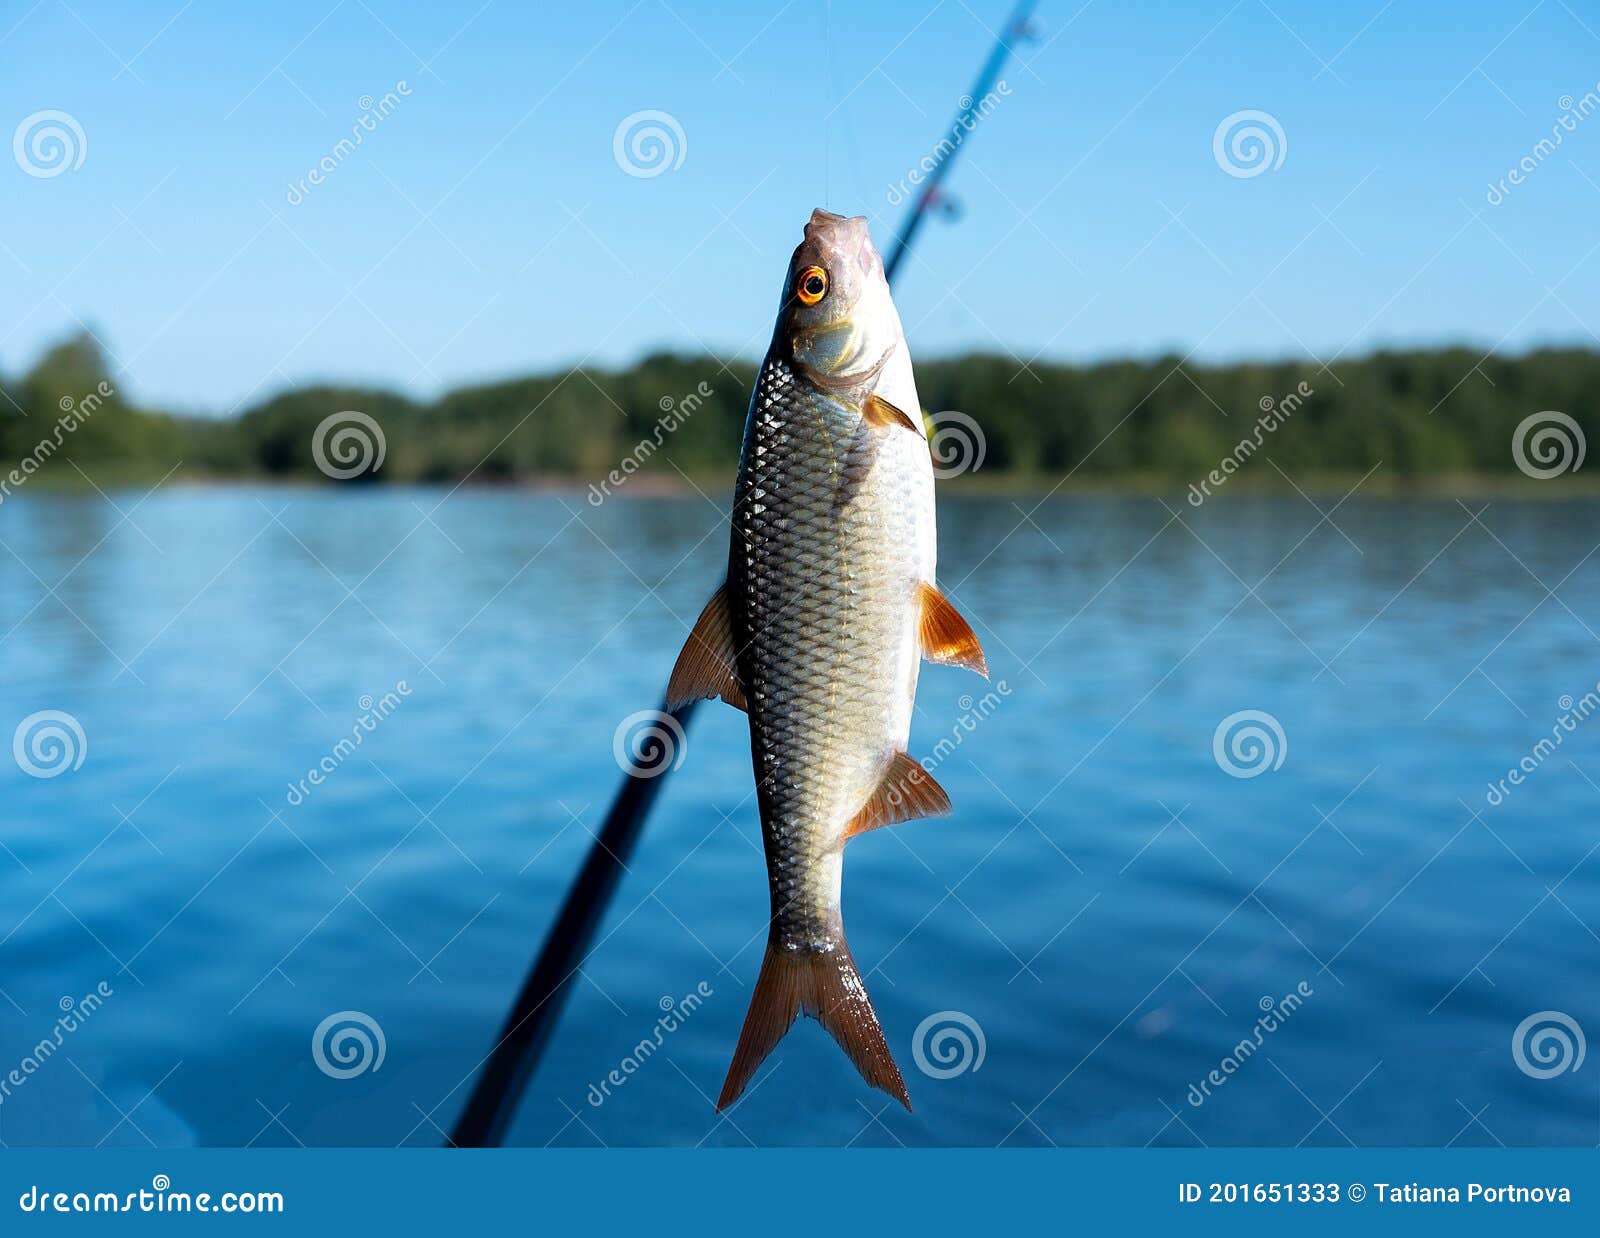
905	793
945	636
706	666
880	412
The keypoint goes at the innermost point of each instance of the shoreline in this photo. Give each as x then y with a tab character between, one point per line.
1003	485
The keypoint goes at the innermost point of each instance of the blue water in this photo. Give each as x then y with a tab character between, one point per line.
1108	906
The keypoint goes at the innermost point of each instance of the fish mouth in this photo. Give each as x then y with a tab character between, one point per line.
843	237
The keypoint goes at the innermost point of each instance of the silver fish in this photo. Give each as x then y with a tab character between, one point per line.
828	608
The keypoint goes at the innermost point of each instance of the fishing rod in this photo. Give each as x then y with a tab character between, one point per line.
536	1011
1014	31
532	1020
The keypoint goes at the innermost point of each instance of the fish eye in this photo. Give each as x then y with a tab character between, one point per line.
812	285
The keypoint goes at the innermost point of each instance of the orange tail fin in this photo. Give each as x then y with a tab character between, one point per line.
826	986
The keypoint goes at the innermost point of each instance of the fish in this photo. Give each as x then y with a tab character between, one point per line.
820	627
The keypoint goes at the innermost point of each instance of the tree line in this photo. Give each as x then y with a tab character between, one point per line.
1422	413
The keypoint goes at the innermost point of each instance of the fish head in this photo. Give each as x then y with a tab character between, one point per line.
837	318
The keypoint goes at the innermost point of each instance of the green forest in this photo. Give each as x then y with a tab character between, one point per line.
1443	413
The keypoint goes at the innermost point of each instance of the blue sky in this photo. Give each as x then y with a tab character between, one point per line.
484	228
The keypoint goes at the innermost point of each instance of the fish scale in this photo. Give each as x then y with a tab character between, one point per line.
822	580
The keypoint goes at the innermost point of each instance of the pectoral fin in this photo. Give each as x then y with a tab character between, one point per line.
946	637
880	412
906	793
706	666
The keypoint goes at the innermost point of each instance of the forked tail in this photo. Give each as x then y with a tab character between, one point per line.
826	986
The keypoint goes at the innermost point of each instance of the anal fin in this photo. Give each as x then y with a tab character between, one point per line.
945	636
905	793
706	666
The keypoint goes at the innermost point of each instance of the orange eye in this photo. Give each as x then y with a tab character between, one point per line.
812	285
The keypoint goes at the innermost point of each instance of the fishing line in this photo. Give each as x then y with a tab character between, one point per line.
833	96
852	150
